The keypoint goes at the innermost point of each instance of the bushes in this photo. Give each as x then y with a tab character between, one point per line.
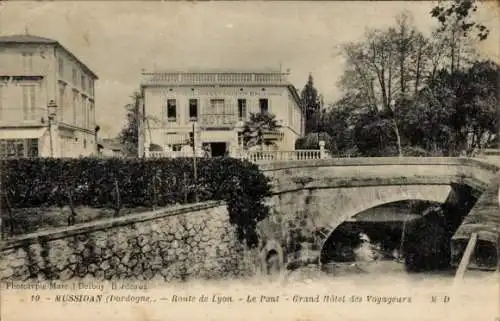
427	243
94	182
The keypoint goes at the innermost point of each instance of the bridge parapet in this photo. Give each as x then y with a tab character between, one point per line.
337	172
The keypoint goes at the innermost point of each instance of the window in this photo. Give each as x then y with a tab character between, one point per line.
171	110
17	148
29	101
193	109
1	100
83	113
75	76
60	67
83	82
216	106
263	105
84	143
91	87
27	61
75	105
242	109
62	94
92	115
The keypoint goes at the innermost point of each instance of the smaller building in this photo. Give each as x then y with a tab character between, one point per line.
111	147
35	71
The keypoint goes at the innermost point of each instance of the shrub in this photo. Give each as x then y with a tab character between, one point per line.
427	243
30	183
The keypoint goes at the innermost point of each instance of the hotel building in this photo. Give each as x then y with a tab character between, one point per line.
214	105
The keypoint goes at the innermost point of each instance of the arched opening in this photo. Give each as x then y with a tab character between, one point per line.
272	266
410	235
271	257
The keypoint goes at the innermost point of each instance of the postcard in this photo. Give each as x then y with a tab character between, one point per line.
249	160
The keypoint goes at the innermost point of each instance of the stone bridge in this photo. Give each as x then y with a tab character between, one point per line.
313	198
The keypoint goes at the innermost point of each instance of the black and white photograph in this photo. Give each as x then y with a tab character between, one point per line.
250	160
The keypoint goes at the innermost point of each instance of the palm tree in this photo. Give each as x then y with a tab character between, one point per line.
256	128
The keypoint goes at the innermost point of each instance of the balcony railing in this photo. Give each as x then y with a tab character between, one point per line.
276	156
172	154
273	135
221	78
18	116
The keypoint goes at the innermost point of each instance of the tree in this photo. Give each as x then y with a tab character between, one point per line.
129	135
455	18
311	141
456	112
377	72
311	104
256	127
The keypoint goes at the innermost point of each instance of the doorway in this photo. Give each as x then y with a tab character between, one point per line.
218	149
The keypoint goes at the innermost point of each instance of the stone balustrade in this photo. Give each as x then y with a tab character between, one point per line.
215	77
257	156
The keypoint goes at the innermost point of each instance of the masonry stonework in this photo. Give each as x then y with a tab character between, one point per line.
310	200
188	242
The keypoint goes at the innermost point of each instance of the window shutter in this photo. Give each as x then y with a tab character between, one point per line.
32	99
25	101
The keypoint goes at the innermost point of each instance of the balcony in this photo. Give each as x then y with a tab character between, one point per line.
217	121
273	135
19	117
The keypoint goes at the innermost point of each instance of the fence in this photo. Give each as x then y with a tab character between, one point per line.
256	156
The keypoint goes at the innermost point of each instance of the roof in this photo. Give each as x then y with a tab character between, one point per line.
196	70
111	143
26	39
30	39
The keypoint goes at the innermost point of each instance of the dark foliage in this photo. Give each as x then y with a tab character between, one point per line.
311	105
427	243
29	183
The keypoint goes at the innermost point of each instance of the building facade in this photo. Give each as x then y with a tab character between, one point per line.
33	72
110	147
213	106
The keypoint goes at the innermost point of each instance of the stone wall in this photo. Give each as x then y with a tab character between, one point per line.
186	242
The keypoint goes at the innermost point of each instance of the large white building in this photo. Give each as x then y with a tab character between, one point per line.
33	72
216	104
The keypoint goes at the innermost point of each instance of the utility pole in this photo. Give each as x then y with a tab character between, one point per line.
195	174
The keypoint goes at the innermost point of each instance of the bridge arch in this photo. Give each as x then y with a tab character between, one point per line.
372	197
271	254
321	195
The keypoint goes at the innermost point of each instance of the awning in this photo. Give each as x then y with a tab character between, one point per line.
22	133
176	139
215	136
67	133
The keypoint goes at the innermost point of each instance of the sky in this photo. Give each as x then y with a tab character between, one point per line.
118	39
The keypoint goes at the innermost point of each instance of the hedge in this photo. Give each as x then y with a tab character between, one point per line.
130	183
